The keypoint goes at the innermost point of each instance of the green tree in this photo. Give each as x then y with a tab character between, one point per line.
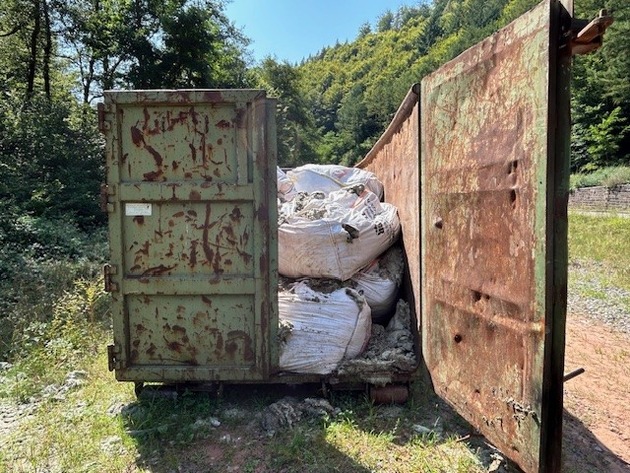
281	80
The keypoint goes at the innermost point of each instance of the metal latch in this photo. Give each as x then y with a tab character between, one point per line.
112	357
587	36
108	271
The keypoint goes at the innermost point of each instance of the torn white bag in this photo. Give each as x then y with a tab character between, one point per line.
331	177
319	330
379	282
286	189
335	236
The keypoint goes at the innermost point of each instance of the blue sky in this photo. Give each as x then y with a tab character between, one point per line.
292	29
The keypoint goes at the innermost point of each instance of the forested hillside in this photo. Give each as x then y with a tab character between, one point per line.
57	56
350	91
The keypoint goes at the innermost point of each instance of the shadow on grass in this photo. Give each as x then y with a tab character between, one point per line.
197	432
187	431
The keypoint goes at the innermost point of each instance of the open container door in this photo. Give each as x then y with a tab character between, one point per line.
494	180
191	200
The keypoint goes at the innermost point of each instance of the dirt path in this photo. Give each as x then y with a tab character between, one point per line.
596	420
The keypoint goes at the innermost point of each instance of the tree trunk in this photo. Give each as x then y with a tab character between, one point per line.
32	63
47	49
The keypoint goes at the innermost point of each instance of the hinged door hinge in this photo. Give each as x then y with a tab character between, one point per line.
108	271
106	193
103	122
113	354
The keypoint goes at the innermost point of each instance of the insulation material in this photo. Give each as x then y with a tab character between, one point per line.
332	177
389	351
321	329
379	282
334	236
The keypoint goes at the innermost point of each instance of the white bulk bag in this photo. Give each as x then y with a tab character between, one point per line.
336	236
320	330
331	177
379	281
286	189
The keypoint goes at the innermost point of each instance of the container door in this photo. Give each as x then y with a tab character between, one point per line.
494	178
192	225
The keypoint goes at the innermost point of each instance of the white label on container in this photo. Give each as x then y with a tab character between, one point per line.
135	210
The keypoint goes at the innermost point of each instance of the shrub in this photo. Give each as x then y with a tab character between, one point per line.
608	176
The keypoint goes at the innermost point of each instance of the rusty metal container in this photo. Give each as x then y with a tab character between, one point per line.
476	160
192	226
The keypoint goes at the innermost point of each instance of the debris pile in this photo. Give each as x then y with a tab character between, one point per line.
288	411
389	351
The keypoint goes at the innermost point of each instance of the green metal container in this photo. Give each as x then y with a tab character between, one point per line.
191	185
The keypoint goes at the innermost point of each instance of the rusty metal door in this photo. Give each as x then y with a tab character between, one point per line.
494	178
192	225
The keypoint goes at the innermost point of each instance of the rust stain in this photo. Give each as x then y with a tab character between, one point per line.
207	300
236	215
153	176
137	137
193	253
213	96
223	124
139	219
194	195
231	345
158	270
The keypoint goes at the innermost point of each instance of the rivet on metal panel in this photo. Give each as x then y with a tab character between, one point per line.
458	338
439	223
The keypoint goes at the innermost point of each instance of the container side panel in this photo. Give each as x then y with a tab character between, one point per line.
192	330
395	161
191	238
204	151
190	231
485	260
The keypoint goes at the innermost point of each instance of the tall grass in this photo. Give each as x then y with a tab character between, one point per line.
608	176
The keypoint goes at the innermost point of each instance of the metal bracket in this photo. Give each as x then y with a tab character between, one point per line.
572	374
585	36
112	357
103	123
108	271
106	193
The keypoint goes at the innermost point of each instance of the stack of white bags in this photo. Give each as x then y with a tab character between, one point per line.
333	225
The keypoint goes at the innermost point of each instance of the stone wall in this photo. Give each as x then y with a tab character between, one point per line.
601	199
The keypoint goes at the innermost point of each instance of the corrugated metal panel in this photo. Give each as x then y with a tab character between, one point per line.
493	244
191	182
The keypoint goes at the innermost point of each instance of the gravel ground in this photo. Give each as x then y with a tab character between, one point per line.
593	298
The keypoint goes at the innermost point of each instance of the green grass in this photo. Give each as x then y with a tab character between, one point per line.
102	427
603	244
